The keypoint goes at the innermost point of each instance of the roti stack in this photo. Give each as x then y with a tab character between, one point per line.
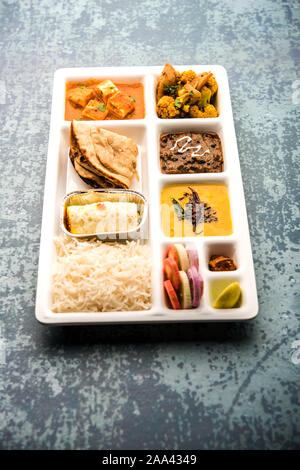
102	158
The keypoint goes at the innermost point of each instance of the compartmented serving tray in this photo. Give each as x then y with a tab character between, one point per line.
62	179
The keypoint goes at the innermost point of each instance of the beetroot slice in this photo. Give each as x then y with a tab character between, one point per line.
196	285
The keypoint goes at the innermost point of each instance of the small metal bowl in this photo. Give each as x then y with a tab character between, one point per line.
79	198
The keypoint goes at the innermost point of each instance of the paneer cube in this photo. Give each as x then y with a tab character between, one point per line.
96	110
106	90
120	105
80	96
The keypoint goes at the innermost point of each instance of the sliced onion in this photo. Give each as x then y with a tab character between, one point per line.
192	254
196	285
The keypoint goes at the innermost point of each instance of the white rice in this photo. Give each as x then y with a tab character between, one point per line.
93	276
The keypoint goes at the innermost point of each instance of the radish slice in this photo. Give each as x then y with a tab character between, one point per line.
185	296
184	263
172	253
196	285
172	295
192	254
172	272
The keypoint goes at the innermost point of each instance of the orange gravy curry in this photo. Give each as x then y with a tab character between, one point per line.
134	90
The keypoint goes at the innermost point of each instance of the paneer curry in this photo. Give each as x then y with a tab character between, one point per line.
96	99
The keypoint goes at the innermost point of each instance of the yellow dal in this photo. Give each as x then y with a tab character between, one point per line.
215	195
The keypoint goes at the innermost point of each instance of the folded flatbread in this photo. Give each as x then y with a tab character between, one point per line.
102	217
102	158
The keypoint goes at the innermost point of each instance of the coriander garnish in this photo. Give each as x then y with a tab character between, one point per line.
132	99
177	103
101	107
82	86
170	89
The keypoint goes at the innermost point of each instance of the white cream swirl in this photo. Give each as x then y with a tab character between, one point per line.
184	148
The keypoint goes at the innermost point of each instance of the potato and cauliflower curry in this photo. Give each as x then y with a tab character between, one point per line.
186	94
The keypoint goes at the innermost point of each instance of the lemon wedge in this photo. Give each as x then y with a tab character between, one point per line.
229	297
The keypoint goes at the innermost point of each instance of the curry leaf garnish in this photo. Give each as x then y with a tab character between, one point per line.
195	203
179	211
193	210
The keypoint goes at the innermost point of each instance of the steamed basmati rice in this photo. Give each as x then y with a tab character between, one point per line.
93	276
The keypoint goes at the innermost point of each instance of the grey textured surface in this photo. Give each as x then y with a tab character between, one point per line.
214	386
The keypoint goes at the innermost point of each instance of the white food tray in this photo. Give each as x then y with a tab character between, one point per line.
61	179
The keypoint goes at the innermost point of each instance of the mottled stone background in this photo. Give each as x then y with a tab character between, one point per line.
206	386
